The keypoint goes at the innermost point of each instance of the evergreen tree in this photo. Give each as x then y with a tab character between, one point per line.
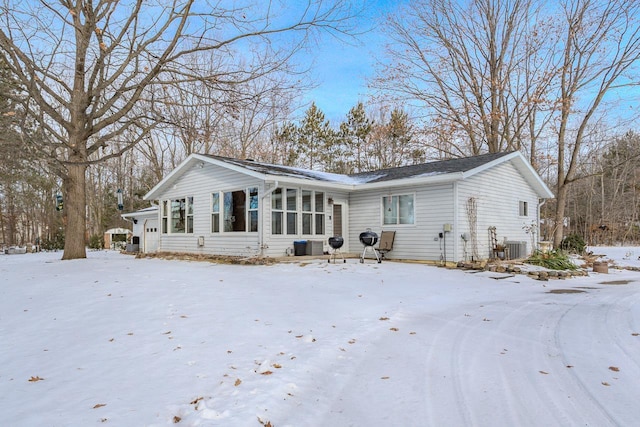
354	133
316	140
284	143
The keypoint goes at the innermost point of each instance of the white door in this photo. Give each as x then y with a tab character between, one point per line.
150	236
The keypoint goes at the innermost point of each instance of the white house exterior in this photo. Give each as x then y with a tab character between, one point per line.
146	231
222	206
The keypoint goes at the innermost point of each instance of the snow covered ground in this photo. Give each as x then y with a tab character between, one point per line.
113	340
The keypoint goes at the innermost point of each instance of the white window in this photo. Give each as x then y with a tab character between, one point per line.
285	211
215	212
319	212
312	212
523	208
179	214
165	217
253	208
276	211
398	209
292	210
239	211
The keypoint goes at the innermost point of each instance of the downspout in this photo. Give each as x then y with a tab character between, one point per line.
540	204
261	222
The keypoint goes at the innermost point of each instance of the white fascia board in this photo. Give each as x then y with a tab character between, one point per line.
230	166
420	180
189	162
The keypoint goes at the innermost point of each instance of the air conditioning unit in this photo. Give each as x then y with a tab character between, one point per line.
516	249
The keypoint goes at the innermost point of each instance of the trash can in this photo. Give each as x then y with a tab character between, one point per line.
299	247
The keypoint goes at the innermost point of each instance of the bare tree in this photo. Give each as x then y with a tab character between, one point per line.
87	66
458	60
598	56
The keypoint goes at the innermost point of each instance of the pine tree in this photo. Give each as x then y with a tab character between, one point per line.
316	140
354	133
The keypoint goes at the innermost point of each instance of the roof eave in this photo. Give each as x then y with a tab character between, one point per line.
284	179
189	162
431	179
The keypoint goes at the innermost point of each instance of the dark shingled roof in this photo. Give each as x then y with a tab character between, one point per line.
464	164
433	168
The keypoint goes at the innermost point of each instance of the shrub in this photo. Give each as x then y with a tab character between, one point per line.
573	243
554	260
55	243
96	242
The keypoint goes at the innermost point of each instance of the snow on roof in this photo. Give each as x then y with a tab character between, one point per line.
280	170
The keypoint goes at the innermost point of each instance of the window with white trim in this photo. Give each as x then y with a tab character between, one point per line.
319	212
177	215
253	208
165	217
277	211
523	208
398	209
215	212
291	206
312	212
286	211
237	210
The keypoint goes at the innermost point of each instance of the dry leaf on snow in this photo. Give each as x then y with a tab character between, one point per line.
34	379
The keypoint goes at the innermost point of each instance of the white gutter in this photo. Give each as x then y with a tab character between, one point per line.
261	220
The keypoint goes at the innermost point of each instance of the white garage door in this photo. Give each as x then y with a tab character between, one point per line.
151	235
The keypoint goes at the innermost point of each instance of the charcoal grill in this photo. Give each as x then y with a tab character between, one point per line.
369	239
336	243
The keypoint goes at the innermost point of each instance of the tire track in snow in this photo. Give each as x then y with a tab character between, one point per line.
599	328
504	384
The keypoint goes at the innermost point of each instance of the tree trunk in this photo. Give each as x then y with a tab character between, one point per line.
74	207
561	202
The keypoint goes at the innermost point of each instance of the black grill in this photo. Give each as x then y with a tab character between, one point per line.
368	238
336	242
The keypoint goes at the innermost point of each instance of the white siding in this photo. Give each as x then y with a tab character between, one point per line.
433	209
200	183
277	245
497	192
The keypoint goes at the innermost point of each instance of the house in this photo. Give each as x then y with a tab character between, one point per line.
145	229
440	211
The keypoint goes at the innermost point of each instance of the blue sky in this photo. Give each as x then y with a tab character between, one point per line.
341	69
